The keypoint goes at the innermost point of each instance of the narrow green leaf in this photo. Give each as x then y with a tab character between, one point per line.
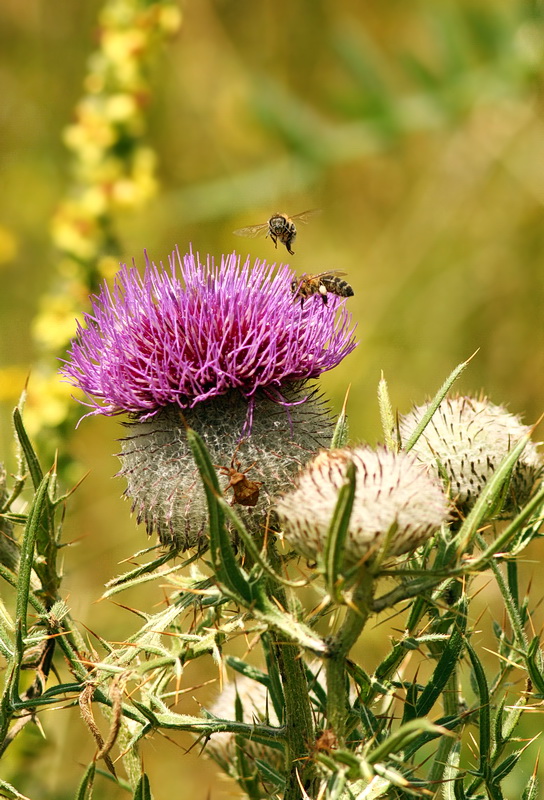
484	714
223	558
85	788
251	547
501	541
36	472
334	551
443	670
248	670
505	767
38	509
435	402
452	775
401	738
10	792
531	790
387	416
534	666
341	429
488	500
410	703
143	789
269	774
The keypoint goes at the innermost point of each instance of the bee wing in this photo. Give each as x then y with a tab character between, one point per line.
336	272
252	231
304	216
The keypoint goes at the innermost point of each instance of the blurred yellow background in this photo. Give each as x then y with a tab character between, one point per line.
416	127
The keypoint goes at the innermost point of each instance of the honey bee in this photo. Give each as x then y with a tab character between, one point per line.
321	284
245	491
279	226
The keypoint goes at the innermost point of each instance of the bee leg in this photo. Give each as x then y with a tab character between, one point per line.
288	246
274	239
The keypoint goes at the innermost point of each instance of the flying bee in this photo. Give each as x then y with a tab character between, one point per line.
321	284
279	226
245	491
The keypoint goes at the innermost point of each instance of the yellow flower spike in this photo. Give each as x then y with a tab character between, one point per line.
120	46
54	325
48	402
170	18
121	107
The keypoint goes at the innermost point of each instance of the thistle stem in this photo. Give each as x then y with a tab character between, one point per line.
298	720
339	648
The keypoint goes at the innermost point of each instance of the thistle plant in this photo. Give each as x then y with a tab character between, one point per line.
295	538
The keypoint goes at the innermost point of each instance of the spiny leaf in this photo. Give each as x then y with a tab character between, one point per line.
224	560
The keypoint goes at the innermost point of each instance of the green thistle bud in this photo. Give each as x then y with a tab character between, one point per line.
163	481
466	440
394	495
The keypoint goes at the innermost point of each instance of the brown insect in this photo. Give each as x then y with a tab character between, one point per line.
321	284
326	740
278	227
245	491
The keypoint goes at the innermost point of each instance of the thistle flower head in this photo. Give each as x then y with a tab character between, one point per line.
466	439
163	481
394	497
232	347
197	331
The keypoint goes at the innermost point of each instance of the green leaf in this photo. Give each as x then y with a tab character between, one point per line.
484	715
223	558
85	788
9	791
531	790
387	417
506	767
40	506
401	738
333	556
143	789
341	429
410	703
447	663
273	677
435	402
251	547
36	472
501	541
452	775
534	666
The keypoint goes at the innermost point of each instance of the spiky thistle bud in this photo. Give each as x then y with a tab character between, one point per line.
466	440
225	349
395	497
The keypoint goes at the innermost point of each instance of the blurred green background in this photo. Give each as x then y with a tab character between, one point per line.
417	129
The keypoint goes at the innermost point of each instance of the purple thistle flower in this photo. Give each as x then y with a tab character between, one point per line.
198	331
229	345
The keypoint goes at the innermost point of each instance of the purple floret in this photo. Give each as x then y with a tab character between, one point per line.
197	331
